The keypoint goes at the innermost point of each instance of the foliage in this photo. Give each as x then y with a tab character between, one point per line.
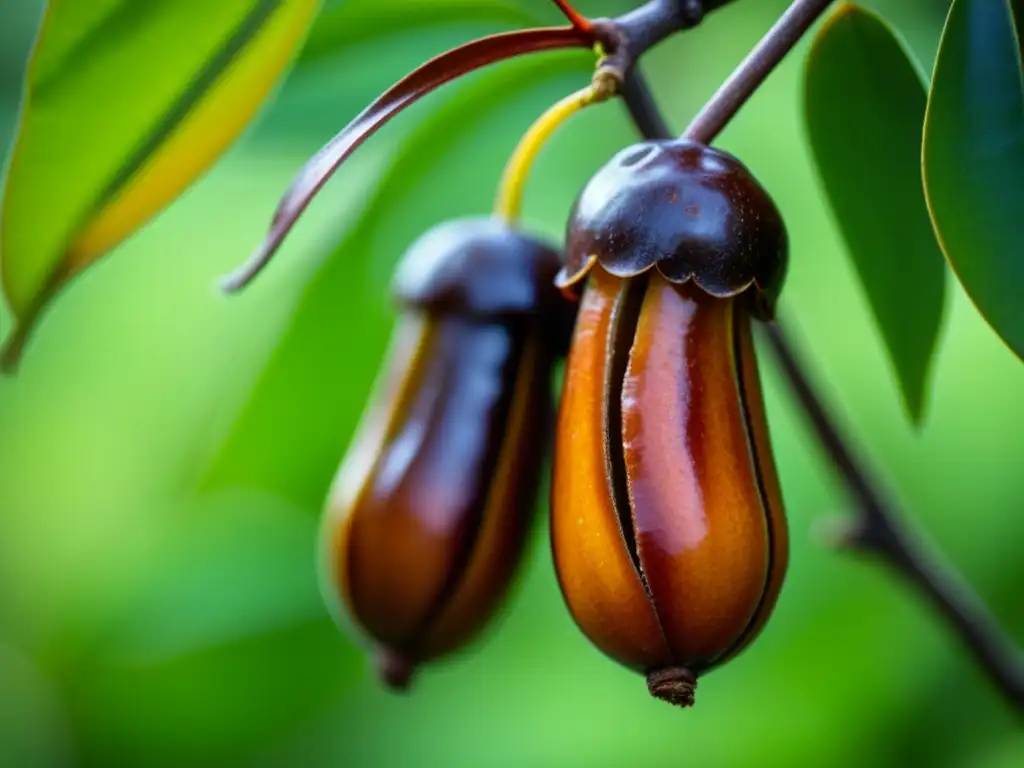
164	453
186	80
973	152
865	105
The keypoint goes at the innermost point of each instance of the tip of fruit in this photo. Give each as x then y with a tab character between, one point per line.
676	685
394	669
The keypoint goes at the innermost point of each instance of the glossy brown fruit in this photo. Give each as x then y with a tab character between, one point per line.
694	212
430	510
668	529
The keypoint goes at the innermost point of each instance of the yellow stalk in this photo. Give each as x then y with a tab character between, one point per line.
513	181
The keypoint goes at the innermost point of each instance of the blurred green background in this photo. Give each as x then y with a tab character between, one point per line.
164	452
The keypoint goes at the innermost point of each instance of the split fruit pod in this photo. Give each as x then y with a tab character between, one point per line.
668	528
429	512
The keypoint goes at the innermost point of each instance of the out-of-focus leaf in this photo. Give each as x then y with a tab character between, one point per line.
239	565
292	430
215	706
864	104
226	636
1007	753
974	158
126	104
355	21
29	713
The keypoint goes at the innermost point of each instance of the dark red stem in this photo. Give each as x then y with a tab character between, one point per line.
572	15
435	73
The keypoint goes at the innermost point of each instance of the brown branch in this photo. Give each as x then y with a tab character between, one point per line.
642	107
878	528
753	70
733	93
628	37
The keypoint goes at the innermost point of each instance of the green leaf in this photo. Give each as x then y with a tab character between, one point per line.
864	107
974	158
126	104
292	431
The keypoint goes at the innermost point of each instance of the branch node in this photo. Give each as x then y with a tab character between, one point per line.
690	13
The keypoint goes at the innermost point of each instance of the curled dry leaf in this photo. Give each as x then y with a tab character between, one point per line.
436	72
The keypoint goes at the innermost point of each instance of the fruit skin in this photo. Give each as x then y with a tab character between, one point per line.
428	516
478	267
668	528
694	212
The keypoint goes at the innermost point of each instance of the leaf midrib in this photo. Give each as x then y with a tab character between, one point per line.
204	80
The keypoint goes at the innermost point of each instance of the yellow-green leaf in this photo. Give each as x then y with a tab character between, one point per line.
864	108
126	104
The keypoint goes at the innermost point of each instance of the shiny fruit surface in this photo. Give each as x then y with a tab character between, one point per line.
668	528
429	513
693	212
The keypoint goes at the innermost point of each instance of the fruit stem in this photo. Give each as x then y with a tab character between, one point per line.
574	16
676	685
393	669
509	200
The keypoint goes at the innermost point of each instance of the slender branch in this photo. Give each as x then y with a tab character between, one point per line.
877	529
628	37
735	91
642	107
753	70
647	25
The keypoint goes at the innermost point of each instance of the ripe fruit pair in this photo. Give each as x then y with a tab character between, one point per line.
667	524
